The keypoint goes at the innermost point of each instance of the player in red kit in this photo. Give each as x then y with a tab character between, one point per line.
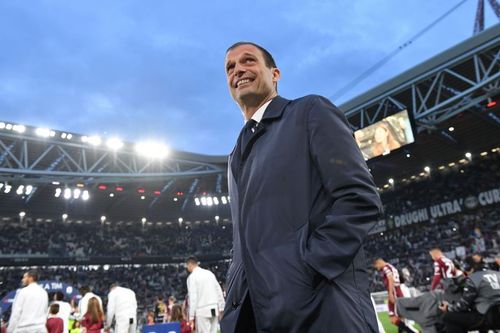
392	282
444	268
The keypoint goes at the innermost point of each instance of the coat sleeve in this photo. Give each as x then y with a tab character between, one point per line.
355	203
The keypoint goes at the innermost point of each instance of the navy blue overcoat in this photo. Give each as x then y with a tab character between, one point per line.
302	202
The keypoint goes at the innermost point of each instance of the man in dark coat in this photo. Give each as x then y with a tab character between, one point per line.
302	202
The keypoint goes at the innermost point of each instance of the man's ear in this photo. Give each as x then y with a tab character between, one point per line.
276	74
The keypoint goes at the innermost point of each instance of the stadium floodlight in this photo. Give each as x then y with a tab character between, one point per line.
408	155
64	216
94	140
56	183
468	155
427	169
216	200
451	128
20	190
103	219
114	143
76	193
22	214
391	181
9	126
44	132
85	195
143	220
111	195
58	192
197	201
224	200
19	128
2	125
7	188
28	189
484	153
180	220
154	150
210	201
203	201
217	217
67	193
176	199
143	197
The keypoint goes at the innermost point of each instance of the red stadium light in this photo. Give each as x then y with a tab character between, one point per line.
180	194
157	192
141	190
102	187
119	189
491	104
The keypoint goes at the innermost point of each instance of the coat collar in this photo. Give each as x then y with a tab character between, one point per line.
274	111
275	108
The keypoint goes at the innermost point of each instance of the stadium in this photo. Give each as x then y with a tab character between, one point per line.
89	211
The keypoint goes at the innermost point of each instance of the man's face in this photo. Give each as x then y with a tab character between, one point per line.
26	279
378	265
434	255
250	81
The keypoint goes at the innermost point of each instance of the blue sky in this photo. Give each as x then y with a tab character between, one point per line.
154	69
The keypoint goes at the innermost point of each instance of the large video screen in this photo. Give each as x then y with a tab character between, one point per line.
385	135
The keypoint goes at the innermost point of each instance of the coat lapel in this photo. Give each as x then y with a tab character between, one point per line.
239	154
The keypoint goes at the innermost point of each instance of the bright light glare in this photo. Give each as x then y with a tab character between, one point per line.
94	140
43	132
85	195
152	150
114	143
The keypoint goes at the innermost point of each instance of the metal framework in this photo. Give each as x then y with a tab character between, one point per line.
437	89
39	160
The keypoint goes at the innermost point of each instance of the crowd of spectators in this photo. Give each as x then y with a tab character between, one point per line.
96	239
476	230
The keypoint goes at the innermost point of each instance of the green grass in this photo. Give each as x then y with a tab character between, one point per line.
389	328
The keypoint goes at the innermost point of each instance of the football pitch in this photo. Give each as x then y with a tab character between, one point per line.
389	328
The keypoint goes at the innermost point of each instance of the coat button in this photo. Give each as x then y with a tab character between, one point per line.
235	305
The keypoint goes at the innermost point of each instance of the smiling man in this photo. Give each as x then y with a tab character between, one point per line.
302	202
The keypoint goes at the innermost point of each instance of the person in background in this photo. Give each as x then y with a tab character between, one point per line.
29	310
177	315
86	295
122	307
444	268
160	310
64	309
54	323
392	282
205	298
479	306
75	327
171	303
150	319
93	320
